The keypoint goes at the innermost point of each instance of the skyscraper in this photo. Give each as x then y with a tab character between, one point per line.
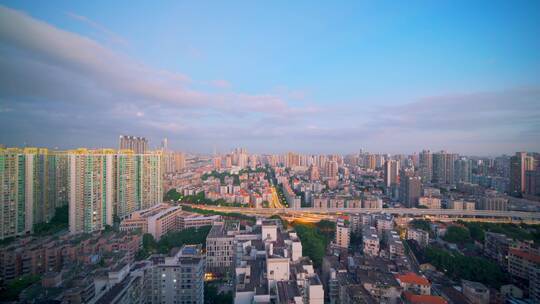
138	145
443	167
150	180
91	189
106	182
410	188
391	172
519	164
331	169
426	166
463	170
32	185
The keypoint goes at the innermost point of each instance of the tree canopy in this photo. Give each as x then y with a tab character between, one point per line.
458	266
458	235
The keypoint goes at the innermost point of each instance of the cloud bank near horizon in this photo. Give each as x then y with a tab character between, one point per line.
59	88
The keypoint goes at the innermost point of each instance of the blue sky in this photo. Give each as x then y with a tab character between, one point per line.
273	77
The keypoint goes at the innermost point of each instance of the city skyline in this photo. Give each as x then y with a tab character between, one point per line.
336	80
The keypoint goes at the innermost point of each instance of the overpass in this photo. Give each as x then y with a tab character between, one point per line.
449	214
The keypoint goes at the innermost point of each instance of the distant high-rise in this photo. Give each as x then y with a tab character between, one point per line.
165	144
426	166
314	173
292	160
532	182
174	161
462	170
370	161
410	188
519	164
391	172
443	168
138	145
331	169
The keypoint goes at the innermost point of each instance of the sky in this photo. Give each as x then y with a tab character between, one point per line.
304	76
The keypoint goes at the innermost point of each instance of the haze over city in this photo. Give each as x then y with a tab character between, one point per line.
328	78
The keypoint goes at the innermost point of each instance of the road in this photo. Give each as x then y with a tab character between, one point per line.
439	214
275	203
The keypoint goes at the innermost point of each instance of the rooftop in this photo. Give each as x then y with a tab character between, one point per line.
287	290
412	278
423	299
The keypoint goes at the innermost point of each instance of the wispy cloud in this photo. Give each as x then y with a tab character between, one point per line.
104	31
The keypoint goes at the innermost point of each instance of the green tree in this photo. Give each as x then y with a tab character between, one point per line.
458	235
14	288
172	195
179	238
211	295
458	266
421	224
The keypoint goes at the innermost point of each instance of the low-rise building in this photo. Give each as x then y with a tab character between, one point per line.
414	283
420	236
370	241
220	249
430	202
179	278
475	292
410	298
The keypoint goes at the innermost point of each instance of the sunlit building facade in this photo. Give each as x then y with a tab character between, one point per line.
32	184
106	182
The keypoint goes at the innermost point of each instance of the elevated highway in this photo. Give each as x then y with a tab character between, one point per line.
440	214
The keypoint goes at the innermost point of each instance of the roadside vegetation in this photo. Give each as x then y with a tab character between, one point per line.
229	215
458	266
315	238
172	239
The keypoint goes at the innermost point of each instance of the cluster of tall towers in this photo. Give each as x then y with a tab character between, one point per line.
96	184
33	182
443	168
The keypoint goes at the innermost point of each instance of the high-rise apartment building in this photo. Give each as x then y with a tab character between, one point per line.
107	182
343	234
91	189
176	161
426	166
532	182
410	188
150	179
443	167
292	160
137	144
519	165
391	172
331	169
314	173
462	170
32	185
